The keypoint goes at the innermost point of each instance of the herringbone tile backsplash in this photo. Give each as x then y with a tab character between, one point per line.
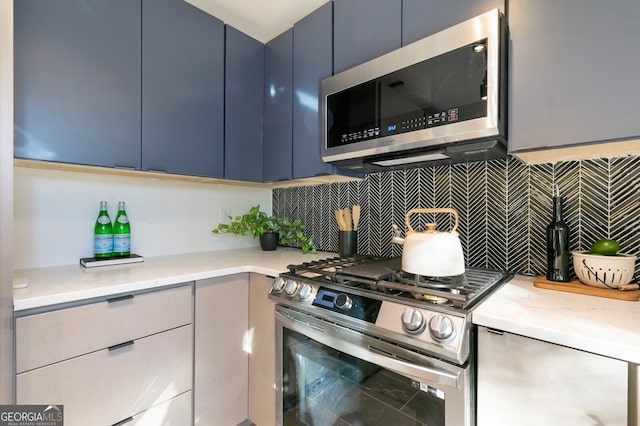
503	205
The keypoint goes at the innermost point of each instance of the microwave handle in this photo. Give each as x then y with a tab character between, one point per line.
372	354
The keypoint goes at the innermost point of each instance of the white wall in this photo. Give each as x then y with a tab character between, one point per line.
55	211
7	373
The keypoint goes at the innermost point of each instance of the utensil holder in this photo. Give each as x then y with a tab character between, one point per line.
348	243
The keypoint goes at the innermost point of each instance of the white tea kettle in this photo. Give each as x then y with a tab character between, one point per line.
431	253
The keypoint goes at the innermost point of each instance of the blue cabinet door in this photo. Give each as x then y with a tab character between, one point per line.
278	108
364	30
312	53
244	89
422	18
574	72
182	89
77	81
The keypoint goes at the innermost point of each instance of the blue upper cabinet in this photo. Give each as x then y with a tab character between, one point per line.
574	72
244	89
364	30
312	53
422	18
182	89
77	81
278	108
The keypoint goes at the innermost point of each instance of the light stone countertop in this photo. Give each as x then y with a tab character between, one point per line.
73	283
594	324
599	325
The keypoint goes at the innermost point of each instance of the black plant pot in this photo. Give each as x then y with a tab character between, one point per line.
269	241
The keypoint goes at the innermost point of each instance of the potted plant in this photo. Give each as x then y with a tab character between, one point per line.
270	229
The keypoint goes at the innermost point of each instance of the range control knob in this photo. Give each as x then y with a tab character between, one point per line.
441	328
291	287
278	285
306	291
342	301
413	321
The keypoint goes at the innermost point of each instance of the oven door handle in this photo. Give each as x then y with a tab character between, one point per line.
419	373
433	375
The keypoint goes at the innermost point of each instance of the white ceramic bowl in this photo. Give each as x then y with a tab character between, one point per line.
604	271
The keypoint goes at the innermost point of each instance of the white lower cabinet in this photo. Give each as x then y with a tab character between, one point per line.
49	337
177	356
262	362
174	412
523	381
111	385
221	346
150	364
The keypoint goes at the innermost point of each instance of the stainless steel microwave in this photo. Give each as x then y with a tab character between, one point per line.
438	100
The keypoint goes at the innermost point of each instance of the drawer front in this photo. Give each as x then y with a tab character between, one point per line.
51	337
176	411
107	386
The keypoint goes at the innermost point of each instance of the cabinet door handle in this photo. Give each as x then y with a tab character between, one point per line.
120	298
120	345
122	422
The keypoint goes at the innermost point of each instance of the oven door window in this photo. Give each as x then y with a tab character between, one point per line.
323	386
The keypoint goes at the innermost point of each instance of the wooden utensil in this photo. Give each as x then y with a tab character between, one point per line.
339	221
356	216
347	218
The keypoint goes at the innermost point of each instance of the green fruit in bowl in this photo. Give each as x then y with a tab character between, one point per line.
605	247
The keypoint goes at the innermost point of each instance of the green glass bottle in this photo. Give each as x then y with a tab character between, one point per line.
121	233
103	234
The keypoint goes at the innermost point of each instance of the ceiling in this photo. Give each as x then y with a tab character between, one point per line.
261	19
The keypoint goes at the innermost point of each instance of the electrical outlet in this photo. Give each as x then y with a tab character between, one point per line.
225	212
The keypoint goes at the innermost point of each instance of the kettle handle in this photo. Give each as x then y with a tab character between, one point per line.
440	210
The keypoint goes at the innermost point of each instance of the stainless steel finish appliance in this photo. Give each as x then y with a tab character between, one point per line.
438	100
362	342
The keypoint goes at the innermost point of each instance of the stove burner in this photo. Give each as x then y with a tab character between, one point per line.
429	282
436	300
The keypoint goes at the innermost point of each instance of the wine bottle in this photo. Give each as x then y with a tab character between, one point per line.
103	234
558	244
121	232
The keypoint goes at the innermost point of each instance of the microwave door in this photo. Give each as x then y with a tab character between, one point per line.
352	113
402	105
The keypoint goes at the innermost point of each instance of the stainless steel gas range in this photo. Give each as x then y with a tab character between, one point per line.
360	342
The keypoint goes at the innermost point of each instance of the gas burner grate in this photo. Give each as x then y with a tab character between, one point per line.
383	275
329	268
462	291
429	282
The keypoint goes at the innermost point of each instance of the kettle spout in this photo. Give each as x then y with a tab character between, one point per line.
396	238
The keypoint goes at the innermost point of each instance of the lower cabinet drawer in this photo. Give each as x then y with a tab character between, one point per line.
175	412
51	337
110	385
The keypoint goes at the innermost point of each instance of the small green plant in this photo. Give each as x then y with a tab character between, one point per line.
255	222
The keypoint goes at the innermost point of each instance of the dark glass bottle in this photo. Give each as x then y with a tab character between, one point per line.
558	245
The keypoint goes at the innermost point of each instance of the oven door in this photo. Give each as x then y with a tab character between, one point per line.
327	374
